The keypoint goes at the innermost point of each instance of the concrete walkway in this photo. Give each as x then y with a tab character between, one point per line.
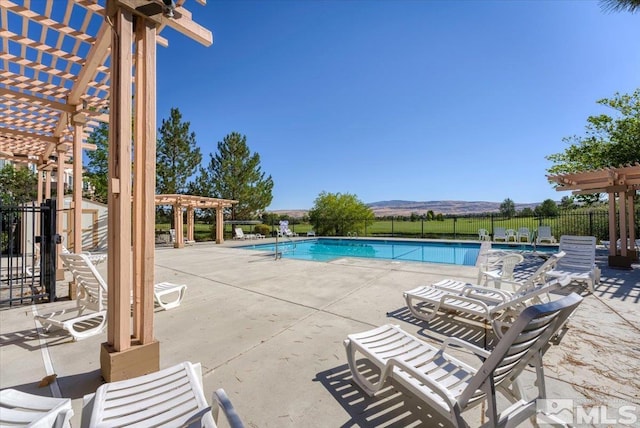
271	334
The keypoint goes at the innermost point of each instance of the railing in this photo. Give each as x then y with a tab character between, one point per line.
592	223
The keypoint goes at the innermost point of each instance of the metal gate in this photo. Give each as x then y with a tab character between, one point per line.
28	241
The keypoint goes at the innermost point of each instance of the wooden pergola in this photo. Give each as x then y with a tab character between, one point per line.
66	65
190	203
620	184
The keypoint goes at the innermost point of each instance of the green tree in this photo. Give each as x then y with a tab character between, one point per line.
177	155
608	142
98	166
235	173
508	208
339	213
526	212
620	5
567	203
548	208
18	185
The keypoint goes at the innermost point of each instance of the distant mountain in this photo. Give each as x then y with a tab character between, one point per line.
405	208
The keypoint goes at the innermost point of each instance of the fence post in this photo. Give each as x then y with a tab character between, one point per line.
455	220
591	223
492	224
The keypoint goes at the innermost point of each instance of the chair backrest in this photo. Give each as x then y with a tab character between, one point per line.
523	232
508	264
544	232
499	232
518	347
239	232
580	252
92	289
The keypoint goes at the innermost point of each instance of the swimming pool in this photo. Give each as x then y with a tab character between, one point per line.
327	249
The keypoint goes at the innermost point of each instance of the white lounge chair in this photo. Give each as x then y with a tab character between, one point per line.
450	386
545	235
19	408
499	234
163	289
579	264
511	235
523	234
496	306
241	235
96	259
483	235
172	397
311	233
90	313
501	269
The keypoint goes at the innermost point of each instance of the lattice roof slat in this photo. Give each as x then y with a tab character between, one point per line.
603	180
54	63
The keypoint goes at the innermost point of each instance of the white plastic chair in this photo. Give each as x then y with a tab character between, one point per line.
511	235
19	408
90	312
499	234
483	235
172	397
544	235
523	234
579	264
501	269
451	386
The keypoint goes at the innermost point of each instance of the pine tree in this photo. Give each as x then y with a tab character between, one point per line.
177	155
235	173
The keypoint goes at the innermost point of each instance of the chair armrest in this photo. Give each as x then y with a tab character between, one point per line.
464	344
430	383
496	294
229	411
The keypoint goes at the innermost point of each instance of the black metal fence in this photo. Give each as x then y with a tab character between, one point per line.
592	223
27	253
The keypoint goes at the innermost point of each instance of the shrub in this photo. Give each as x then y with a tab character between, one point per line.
262	229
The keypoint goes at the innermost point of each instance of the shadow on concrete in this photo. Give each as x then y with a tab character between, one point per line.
392	406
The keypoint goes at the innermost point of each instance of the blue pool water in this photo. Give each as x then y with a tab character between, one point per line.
326	249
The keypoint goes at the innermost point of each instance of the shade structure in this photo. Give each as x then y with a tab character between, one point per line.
621	184
191	203
66	66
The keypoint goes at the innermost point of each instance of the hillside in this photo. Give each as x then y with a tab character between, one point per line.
405	208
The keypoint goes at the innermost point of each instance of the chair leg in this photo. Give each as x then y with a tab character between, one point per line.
369	388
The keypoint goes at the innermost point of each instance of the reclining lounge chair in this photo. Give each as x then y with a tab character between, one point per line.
450	386
170	397
19	408
579	264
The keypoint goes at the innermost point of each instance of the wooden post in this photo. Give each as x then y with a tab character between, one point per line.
59	218
78	123
220	224
190	223
119	194
144	180
47	184
39	197
622	208
612	225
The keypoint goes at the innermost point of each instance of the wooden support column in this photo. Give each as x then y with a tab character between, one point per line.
78	124
190	223
630	194
612	225
177	224
220	224
47	184
59	219
119	196
622	208
144	179
39	197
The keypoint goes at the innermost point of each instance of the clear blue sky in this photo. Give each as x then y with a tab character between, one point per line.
415	100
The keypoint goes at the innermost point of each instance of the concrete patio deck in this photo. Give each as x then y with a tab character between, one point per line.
271	334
